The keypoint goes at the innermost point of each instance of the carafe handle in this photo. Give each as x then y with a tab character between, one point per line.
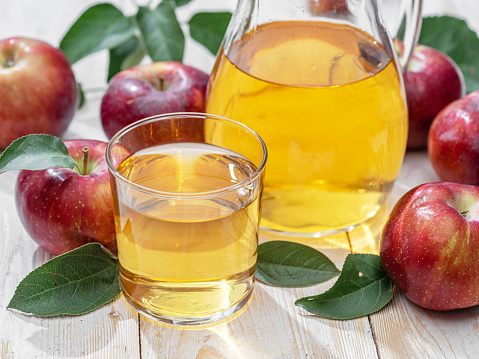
408	27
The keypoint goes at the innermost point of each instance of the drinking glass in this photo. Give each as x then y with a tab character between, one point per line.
187	193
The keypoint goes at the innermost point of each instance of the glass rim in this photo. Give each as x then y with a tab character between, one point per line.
192	195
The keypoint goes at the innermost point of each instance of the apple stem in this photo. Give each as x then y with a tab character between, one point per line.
162	83
465	214
86	153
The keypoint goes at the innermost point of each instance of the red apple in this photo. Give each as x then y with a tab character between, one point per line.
62	209
153	89
38	91
453	144
430	245
432	80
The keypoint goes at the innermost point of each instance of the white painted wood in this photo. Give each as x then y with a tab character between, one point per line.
404	330
270	326
439	7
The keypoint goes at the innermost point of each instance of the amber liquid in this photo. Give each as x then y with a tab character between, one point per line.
328	101
184	259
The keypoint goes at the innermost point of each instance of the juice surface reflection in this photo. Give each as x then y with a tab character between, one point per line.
329	103
185	257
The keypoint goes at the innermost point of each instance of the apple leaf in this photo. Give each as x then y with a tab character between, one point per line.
453	37
100	27
362	288
35	152
125	55
81	95
290	264
74	283
208	28
161	32
181	2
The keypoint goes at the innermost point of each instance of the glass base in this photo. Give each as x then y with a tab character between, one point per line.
189	321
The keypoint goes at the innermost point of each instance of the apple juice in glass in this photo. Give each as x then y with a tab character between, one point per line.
325	92
187	215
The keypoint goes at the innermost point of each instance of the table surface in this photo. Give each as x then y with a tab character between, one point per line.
270	326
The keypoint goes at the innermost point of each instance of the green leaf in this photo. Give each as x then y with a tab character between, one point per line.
74	283
453	37
81	95
362	288
208	28
100	27
162	34
35	152
290	264
181	2
125	55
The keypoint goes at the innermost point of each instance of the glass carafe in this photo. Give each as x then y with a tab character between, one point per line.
320	82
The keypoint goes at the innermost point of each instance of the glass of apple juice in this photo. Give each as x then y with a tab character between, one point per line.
187	190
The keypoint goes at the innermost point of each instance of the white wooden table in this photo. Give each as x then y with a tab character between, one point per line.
270	326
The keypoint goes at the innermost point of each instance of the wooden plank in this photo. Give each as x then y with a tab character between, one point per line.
434	7
405	330
416	170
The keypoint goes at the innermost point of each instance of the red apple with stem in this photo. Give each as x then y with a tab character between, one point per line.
38	90
153	89
430	245
62	209
453	144
432	80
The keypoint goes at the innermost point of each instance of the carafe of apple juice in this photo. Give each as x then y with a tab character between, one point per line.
320	82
